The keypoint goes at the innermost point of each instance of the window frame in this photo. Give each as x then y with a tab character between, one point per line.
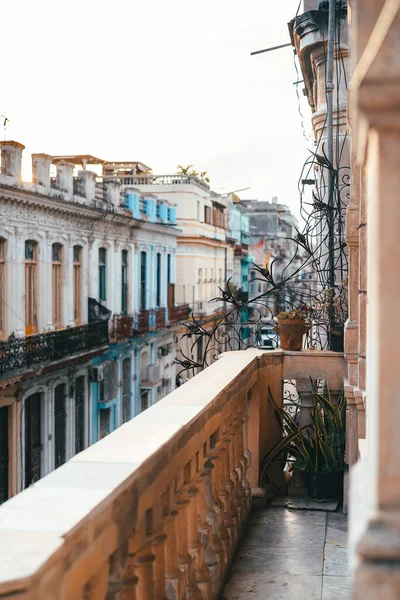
77	284
31	276
57	285
102	271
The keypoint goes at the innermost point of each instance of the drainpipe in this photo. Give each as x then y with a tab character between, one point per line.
329	104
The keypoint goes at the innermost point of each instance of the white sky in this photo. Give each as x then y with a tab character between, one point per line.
162	82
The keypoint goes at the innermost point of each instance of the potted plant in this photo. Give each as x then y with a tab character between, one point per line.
291	328
316	450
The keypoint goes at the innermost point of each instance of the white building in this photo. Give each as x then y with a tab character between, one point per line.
63	241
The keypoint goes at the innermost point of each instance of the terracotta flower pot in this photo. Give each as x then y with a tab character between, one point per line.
291	333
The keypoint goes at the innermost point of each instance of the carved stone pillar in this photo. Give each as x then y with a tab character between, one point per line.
196	548
174	578
159	565
143	563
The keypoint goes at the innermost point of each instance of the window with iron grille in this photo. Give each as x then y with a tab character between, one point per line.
60	425
30	287
102	274
32	439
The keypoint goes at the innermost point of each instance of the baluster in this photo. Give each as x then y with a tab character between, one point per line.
234	477
241	492
196	548
223	493
219	506
143	563
204	528
212	519
186	561
174	582
159	566
233	515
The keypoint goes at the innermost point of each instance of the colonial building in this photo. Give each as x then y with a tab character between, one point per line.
205	258
87	338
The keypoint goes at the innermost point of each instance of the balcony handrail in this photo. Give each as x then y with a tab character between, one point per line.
51	346
176	179
158	505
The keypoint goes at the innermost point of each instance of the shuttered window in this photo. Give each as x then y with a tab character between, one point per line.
102	274
77	285
57	284
30	287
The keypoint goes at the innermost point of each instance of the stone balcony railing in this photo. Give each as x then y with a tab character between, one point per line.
155	510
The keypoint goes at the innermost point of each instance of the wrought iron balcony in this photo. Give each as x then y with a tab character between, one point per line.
177	314
160	319
122	328
157	508
141	322
34	350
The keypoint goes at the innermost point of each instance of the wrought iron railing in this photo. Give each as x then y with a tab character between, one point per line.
51	346
142	321
178	313
159	318
122	327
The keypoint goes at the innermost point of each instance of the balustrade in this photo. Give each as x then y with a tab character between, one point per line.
51	346
155	510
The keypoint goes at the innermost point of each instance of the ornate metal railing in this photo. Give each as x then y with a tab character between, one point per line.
122	328
285	284
159	318
177	314
51	346
142	321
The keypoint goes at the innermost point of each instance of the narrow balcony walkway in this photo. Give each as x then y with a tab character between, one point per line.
291	555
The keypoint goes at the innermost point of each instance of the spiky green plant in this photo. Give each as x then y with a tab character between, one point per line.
317	447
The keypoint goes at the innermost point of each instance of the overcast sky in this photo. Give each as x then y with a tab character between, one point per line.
162	82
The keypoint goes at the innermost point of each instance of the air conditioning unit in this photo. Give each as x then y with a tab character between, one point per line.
98	373
153	373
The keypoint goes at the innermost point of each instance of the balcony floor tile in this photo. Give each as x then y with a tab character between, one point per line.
259	586
336	588
291	554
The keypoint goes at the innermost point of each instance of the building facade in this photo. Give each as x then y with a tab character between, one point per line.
87	334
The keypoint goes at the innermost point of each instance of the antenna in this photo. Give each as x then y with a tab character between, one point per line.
5	121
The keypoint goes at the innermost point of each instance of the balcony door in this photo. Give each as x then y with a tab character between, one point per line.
57	284
60	440
79	414
77	285
3	454
124	282
33	438
126	389
143	280
30	287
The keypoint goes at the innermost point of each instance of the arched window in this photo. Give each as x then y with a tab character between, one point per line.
57	284
77	285
102	274
2	287
30	287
